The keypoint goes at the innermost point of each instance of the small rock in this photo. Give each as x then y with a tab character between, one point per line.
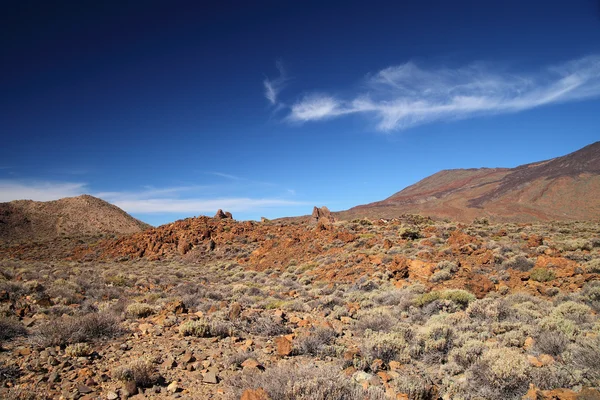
112	396
83	389
362	376
255	394
284	346
173	387
210	377
130	389
252	363
188	358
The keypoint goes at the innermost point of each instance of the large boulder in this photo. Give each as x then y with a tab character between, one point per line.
321	215
223	215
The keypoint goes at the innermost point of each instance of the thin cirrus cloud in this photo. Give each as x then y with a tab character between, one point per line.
403	96
274	86
40	191
179	199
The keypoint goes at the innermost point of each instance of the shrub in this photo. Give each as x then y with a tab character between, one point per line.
593	266
374	322
199	328
488	309
440	276
576	312
585	355
469	353
502	373
410	233
518	263
10	328
68	330
383	346
302	382
551	342
78	350
139	310
315	342
139	371
459	296
265	326
416	384
542	275
435	341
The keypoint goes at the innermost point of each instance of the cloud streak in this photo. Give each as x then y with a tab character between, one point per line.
201	206
168	200
273	87
403	96
39	190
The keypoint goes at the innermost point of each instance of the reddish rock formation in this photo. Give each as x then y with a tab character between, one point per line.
321	215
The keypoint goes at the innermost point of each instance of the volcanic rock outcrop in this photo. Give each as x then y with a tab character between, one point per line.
321	215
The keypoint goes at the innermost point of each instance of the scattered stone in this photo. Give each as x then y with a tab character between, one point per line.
210	377
130	389
83	389
255	394
252	363
112	395
284	346
173	387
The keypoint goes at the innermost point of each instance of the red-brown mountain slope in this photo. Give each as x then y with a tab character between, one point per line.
563	188
27	220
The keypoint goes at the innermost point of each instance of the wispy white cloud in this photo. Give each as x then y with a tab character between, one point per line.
38	190
274	86
403	96
201	206
224	175
149	200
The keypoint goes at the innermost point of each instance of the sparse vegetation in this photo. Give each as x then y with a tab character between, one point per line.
465	312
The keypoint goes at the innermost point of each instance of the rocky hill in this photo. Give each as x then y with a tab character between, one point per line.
27	220
563	188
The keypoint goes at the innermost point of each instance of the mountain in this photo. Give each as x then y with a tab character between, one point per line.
562	188
27	220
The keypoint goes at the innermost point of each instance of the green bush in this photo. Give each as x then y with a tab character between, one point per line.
542	275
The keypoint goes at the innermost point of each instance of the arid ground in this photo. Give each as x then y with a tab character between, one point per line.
211	308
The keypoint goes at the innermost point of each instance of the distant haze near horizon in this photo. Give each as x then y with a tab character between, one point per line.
269	109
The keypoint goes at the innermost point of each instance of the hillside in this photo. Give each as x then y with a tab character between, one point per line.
563	188
27	220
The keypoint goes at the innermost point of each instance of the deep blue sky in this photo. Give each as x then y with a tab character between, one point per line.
161	108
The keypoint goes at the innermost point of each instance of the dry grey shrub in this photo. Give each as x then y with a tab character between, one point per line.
10	328
585	356
518	263
301	382
551	342
140	371
416	384
315	342
67	330
502	373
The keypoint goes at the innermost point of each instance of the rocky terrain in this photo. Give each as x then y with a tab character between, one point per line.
563	188
406	308
27	220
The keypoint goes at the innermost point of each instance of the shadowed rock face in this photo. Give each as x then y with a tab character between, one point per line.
563	188
26	220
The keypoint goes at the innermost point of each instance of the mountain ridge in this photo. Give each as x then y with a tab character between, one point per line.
29	220
561	188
